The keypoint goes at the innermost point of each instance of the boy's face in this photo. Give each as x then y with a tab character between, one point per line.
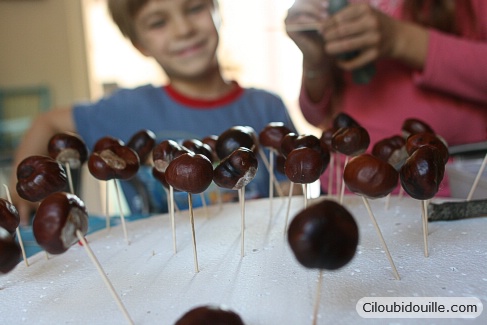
180	34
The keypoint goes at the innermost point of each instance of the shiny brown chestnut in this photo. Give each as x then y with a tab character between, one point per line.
39	176
326	137
293	141
142	142
190	173
211	141
117	162
425	138
56	221
234	138
213	315
165	152
351	141
323	236
343	120
10	251
236	170
272	134
68	148
412	126
9	216
391	150
198	147
303	165
422	173
106	143
370	176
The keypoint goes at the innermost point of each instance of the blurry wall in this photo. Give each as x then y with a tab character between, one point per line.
42	42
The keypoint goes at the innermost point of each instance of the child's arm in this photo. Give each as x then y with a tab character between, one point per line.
316	63
34	142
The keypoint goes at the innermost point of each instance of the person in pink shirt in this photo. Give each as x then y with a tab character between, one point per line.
430	60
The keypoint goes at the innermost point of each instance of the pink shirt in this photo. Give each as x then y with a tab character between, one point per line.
450	94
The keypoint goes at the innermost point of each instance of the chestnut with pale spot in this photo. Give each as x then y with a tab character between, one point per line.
56	221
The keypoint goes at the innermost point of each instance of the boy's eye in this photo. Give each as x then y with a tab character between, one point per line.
156	23
196	8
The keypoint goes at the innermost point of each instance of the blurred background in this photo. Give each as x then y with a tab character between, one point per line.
57	52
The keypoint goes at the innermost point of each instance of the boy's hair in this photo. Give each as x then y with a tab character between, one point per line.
123	13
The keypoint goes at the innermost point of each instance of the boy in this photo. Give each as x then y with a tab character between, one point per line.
182	36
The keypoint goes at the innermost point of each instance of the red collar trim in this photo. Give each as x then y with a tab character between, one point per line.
202	103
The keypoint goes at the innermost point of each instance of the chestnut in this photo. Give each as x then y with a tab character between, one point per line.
211	141
39	176
106	143
326	137
272	134
198	147
412	126
165	152
293	141
391	150
323	236
425	138
142	143
56	221
190	172
10	252
343	120
351	141
9	216
370	176
236	170
303	165
118	162
423	172
234	138
68	148
210	315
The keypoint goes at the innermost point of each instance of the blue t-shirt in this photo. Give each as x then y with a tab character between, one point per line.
170	115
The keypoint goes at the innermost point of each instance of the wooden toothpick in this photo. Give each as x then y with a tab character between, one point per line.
104	276
191	219
122	218
424	217
291	187
379	233
477	178
317	298
17	230
241	198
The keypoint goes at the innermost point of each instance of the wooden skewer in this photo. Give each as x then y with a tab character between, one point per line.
241	197
379	233
305	195
303	27
291	187
424	217
70	178
173	222
330	174
104	276
191	219
267	165
317	298
17	230
122	218
107	205
271	180
342	188
477	178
